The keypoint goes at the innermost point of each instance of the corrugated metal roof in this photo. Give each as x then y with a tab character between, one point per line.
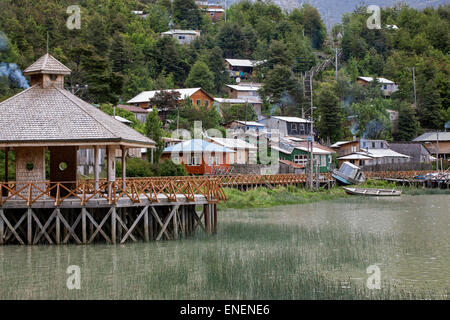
381	153
54	114
381	80
133	109
355	156
47	64
145	96
196	145
244	88
233	143
250	123
244	62
432	137
292	119
178	31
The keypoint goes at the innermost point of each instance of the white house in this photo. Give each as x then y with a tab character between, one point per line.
387	86
245	152
182	36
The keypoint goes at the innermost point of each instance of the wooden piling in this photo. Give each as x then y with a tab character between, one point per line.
29	226
206	215
113	225
83	226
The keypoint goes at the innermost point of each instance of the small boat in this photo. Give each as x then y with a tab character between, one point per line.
348	174
373	192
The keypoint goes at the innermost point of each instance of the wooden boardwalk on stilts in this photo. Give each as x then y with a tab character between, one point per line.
137	209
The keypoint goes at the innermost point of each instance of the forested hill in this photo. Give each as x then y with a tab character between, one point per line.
119	54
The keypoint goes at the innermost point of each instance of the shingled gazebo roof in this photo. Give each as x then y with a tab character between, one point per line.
47	64
54	116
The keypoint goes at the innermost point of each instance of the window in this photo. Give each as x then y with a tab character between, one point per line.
373	144
302	128
217	159
300	159
353	148
211	14
323	161
199	102
181	37
206	103
382	145
53	77
195	160
294	128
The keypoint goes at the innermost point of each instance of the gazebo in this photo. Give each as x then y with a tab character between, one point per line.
46	123
48	117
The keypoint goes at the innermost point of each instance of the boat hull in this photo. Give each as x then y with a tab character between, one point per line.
373	192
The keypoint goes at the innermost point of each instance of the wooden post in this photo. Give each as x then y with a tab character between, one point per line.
113	225
151	227
215	218
96	167
2	228
175	224
5	191
29	226
124	166
146	234
206	214
83	226
57	229
183	221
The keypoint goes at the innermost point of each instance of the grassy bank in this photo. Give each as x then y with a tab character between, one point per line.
264	197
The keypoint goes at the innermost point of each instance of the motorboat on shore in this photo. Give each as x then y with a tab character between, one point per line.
348	174
372	192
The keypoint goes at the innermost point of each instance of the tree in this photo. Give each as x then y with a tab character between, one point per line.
430	115
312	23
330	116
189	113
200	76
187	14
278	55
213	58
408	125
165	100
233	112
153	130
232	41
279	83
373	122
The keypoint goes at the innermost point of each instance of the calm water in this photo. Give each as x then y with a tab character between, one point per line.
258	253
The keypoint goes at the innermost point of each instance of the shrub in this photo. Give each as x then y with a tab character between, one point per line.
137	167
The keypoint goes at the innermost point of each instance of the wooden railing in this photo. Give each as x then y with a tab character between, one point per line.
136	189
395	174
133	189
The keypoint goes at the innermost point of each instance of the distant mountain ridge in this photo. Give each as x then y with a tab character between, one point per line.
333	10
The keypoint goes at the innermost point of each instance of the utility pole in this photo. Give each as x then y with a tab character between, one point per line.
336	61
414	85
437	151
311	142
